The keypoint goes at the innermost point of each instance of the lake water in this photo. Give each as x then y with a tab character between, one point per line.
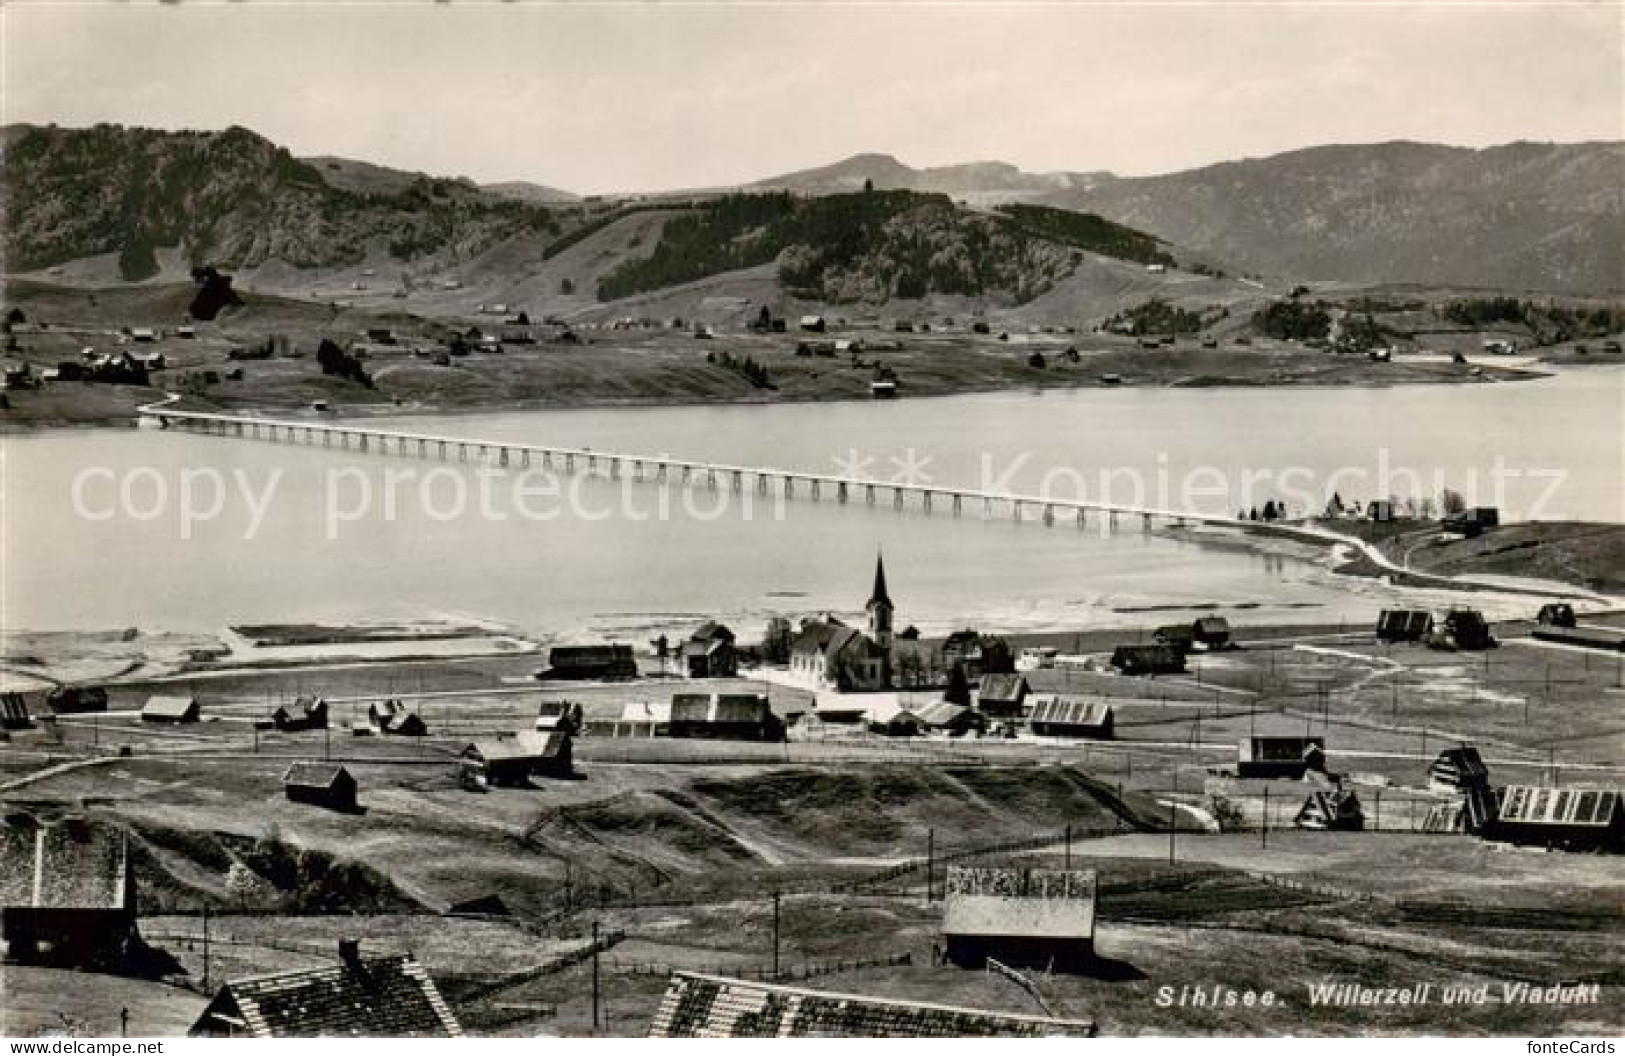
606	558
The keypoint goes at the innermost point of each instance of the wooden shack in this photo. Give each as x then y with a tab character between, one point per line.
174	710
1002	696
1570	819
601	663
305	713
724	716
1288	757
1021	917
1404	625
324	785
513	761
1060	715
1148	660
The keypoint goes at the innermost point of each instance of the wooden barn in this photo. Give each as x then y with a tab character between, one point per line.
171	710
1458	770
513	761
1288	757
1148	660
76	700
1404	625
1002	696
1571	819
325	785
1211	633
1025	918
1463	629
359	997
710	1006
724	716
599	663
636	718
1059	715
14	712
901	723
67	894
1176	635
305	713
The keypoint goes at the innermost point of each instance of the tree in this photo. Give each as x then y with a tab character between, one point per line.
776	641
243	883
868	186
567	286
1451	501
958	691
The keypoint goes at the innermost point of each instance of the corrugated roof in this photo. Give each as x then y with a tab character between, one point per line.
390	997
941	713
705	1006
1007	688
169	707
1529	805
1060	710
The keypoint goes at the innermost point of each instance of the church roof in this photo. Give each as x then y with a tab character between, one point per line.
879	596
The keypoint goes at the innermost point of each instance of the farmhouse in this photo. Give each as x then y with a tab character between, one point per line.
513	760
1148	660
387	996
170	710
1289	757
1033	918
901	723
1557	614
1404	625
1179	636
1002	696
708	1006
306	713
1211	633
590	662
813	324
1464	629
724	716
828	654
709	652
14	712
394	720
1572	819
67	893
320	785
1331	810
1058	715
963	649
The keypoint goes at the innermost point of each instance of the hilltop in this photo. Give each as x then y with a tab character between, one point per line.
1525	216
984	182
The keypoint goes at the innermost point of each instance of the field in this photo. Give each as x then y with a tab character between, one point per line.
675	848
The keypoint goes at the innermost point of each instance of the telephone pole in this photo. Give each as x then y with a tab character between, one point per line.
596	1021
775	935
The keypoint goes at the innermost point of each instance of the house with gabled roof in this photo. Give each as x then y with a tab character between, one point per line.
305	713
512	761
1060	715
1002	696
325	785
389	996
1331	810
67	893
709	652
724	716
710	1006
1577	819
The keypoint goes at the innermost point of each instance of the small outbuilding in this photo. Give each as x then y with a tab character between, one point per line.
174	710
709	652
1557	614
512	761
1404	625
1211	633
67	893
321	785
559	716
305	713
724	716
1570	819
14	712
1331	810
75	700
591	663
955	720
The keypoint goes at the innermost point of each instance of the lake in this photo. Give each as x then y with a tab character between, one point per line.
309	534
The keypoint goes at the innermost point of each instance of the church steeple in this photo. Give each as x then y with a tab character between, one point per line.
880	607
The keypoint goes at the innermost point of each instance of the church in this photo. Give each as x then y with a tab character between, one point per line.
828	654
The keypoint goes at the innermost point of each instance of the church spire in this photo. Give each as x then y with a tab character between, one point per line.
879	595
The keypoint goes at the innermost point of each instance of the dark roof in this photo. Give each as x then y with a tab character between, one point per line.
14	711
1460	766
708	1006
1211	625
1279	749
710	630
942	713
68	865
316	775
878	595
373	997
829	638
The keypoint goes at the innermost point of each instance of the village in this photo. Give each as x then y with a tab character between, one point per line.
973	834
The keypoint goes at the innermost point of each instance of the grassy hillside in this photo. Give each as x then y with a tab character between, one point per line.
227	198
1088	231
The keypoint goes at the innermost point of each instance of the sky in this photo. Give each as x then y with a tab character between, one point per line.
607	97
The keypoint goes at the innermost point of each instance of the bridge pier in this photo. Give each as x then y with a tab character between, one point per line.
524	457
614	469
1049	515
840	493
1145	522
761	483
897	498
987	508
925	499
789	486
502	457
362	437
1081	519
1015	510
738	483
570	463
957	498
815	489
711	479
869	494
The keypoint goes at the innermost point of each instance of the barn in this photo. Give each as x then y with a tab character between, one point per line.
1288	757
1059	715
1331	810
359	997
590	663
67	893
74	700
1148	660
1211	633
709	1006
512	761
561	716
171	710
955	720
1002	696
321	785
1571	819
1458	771
1021	917
1404	625
305	713
709	652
